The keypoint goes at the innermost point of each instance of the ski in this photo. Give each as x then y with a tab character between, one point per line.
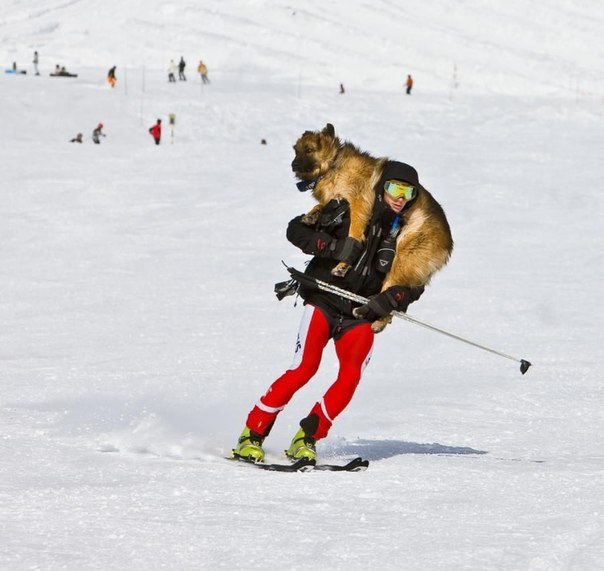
306	465
355	465
302	465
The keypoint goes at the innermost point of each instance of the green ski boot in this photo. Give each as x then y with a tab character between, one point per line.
249	446
302	446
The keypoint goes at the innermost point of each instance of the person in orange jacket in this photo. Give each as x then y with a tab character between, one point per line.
111	79
156	132
202	69
409	84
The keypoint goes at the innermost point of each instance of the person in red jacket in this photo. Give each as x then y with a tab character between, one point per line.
156	131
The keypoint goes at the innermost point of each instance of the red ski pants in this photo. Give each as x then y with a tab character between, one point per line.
353	350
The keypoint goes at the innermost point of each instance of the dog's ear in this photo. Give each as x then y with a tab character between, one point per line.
329	130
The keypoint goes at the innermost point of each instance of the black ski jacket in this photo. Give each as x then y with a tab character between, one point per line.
363	277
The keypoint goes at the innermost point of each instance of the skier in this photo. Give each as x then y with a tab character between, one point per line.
202	69
328	316
77	139
172	121
36	60
409	84
111	79
156	132
342	90
181	69
97	134
171	71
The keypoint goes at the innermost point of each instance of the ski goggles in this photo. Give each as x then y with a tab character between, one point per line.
398	190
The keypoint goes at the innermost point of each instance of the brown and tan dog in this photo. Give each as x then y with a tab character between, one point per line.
342	171
423	246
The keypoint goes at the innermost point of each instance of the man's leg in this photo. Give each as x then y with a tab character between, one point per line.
313	335
353	350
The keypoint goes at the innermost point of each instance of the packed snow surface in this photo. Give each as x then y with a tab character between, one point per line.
139	325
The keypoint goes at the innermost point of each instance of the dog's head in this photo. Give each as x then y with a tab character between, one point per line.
315	152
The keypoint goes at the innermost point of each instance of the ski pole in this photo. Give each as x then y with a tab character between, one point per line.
325	286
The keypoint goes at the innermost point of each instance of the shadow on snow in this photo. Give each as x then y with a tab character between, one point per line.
382	449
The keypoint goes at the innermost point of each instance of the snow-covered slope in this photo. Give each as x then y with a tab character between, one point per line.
139	324
517	47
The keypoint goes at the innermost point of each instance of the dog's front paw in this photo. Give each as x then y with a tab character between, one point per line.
340	270
310	219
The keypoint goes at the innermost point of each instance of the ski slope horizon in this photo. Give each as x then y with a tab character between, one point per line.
480	46
140	325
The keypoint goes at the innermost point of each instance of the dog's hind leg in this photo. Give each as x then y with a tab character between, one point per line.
379	325
340	270
359	218
358	225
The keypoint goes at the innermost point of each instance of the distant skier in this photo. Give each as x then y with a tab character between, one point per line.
171	72
156	132
97	134
62	72
409	84
111	79
36	60
77	139
172	118
181	69
342	90
202	69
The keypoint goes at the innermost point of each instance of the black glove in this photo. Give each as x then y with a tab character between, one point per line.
395	298
345	249
321	245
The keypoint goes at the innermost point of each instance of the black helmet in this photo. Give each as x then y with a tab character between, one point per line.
398	171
